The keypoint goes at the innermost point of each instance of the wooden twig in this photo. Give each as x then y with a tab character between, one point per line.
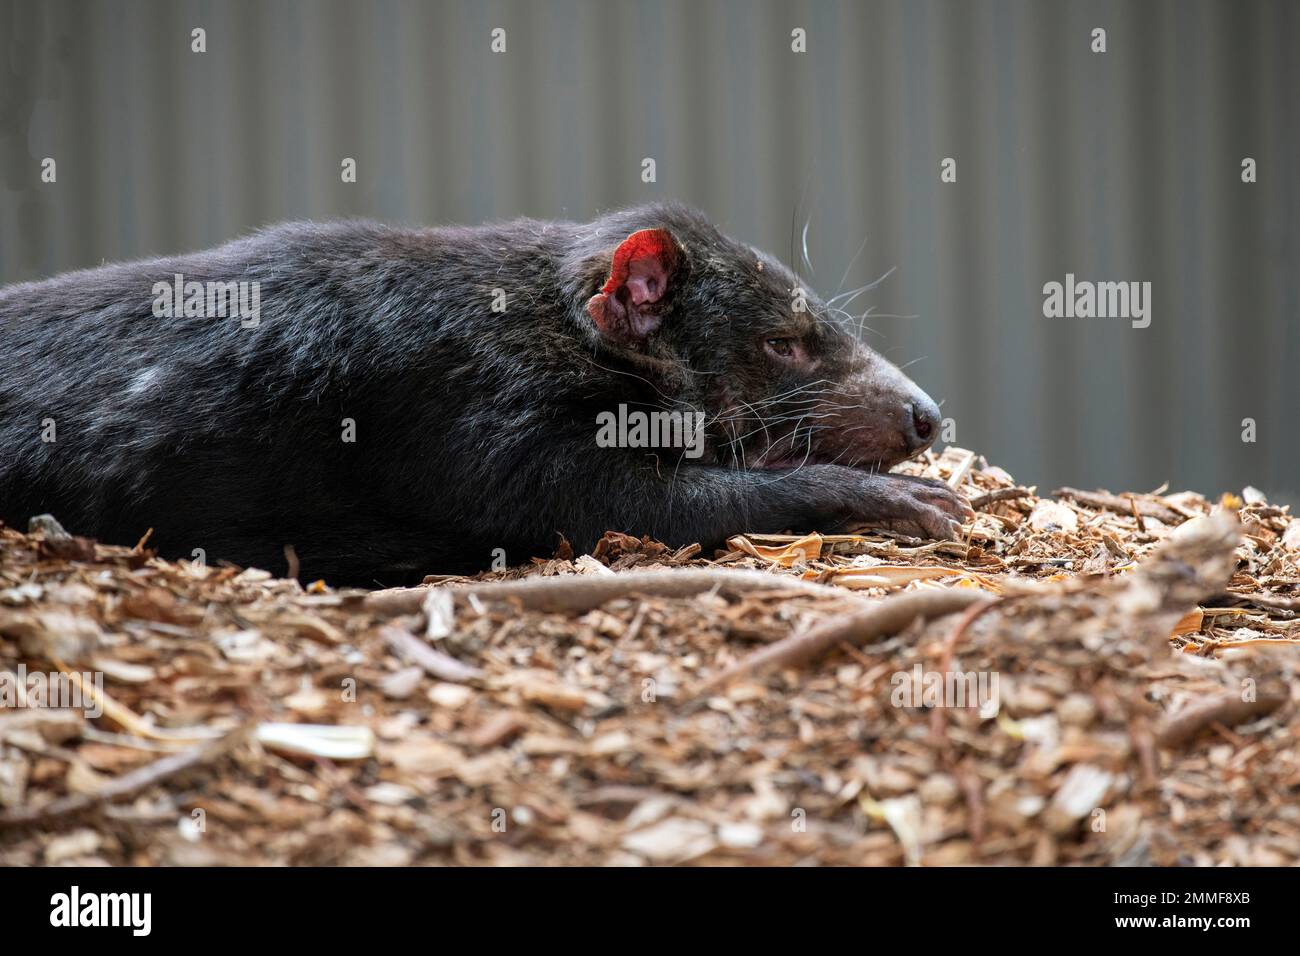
129	783
434	662
126	718
1264	601
939	716
963	625
577	593
1137	515
999	494
634	627
887	616
1105	501
1226	709
961	471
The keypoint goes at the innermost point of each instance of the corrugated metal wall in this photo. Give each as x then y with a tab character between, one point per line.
1115	166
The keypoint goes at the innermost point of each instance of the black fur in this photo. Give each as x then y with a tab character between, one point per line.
475	429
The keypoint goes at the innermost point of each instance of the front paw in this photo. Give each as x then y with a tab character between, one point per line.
918	507
929	509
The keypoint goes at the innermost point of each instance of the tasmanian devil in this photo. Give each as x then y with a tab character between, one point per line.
406	401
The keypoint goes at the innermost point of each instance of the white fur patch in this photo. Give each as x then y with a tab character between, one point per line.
145	381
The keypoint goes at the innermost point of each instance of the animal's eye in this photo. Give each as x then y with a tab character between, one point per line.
781	347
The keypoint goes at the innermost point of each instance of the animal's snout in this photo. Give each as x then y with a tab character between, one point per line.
921	423
875	417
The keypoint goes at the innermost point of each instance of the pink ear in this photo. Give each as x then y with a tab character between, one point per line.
625	308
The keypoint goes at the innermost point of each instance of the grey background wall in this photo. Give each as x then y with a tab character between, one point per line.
1116	166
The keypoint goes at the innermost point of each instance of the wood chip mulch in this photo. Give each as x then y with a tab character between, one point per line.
1115	683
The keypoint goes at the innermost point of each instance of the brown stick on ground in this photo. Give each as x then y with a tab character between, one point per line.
1105	501
999	494
577	593
887	616
1266	601
961	471
1137	515
1226	709
129	783
939	716
434	662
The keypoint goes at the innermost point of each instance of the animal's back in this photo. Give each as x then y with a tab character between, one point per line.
111	414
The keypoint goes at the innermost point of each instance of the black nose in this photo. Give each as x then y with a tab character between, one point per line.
922	424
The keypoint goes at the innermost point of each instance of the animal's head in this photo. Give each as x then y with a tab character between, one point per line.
722	327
